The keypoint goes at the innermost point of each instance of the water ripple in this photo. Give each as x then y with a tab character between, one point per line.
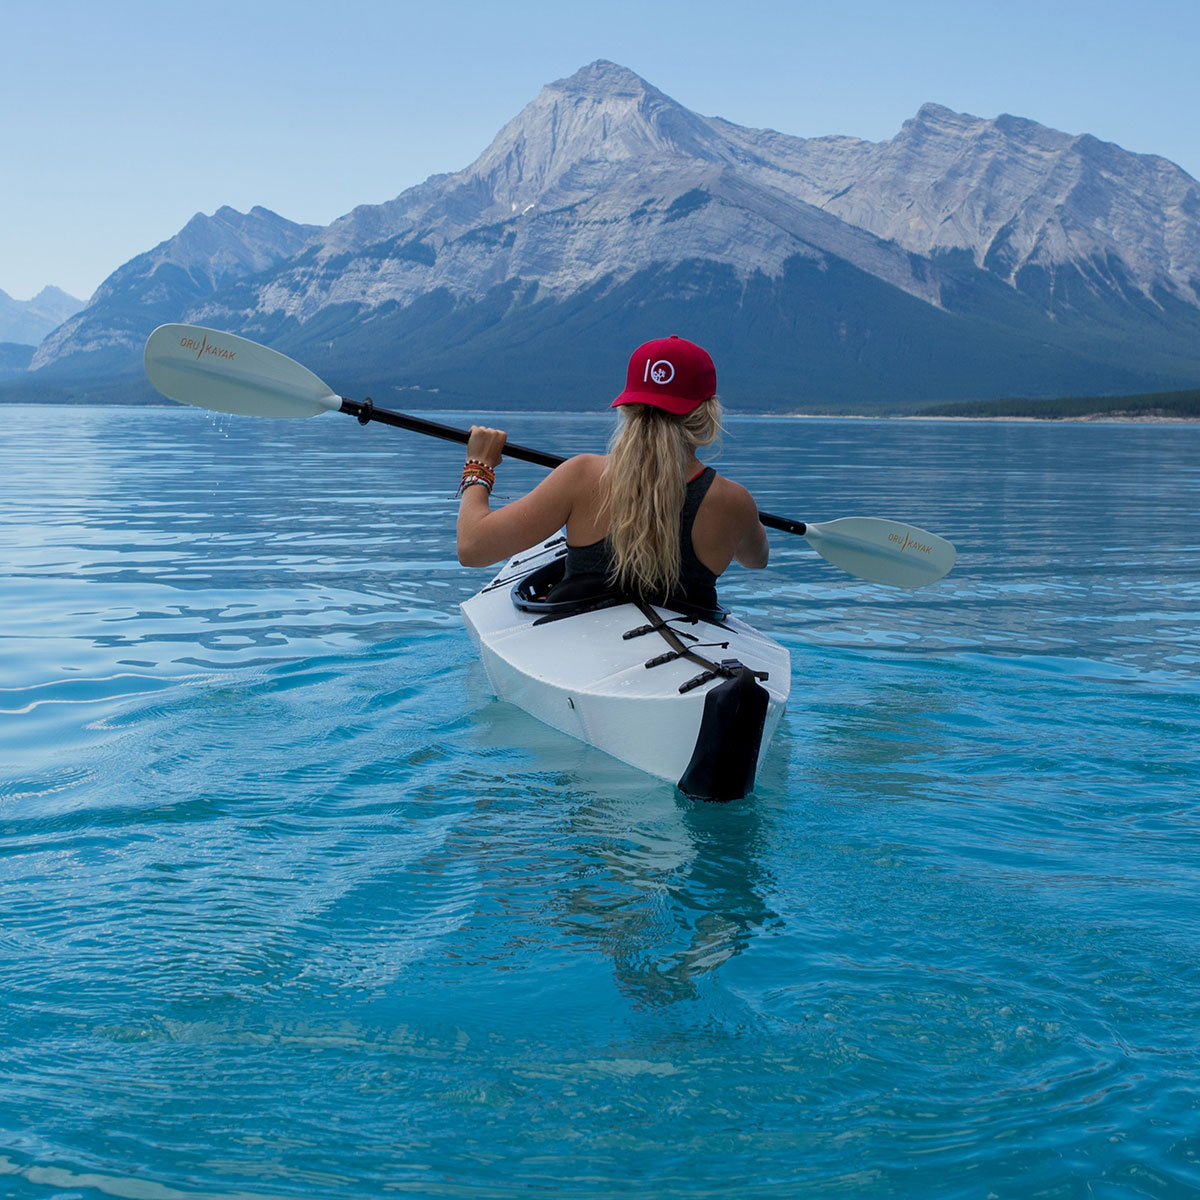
293	908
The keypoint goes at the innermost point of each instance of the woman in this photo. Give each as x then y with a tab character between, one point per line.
648	519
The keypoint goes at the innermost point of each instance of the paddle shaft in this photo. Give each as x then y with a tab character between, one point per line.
366	410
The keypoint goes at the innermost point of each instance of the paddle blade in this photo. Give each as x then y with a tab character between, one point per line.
883	551
230	374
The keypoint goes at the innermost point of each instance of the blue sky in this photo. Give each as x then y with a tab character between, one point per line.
122	119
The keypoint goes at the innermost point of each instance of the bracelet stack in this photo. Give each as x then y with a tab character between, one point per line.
477	472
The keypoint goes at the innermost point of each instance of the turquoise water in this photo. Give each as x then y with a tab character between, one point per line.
292	908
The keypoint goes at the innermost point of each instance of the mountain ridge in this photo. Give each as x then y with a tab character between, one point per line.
207	254
1014	258
27	322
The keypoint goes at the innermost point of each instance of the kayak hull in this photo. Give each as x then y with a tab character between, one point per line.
586	674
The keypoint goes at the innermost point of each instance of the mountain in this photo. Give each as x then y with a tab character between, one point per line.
26	322
1022	200
964	258
208	254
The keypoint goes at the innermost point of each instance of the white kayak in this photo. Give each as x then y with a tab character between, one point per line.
689	697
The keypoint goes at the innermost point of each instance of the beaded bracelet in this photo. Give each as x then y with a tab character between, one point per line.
477	472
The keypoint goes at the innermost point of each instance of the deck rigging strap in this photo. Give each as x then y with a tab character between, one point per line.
727	668
658	624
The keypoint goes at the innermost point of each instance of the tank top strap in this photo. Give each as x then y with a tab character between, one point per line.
697	489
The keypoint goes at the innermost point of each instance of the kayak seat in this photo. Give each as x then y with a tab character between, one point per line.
529	594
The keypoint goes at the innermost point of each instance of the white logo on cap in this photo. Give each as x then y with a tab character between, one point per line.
661	372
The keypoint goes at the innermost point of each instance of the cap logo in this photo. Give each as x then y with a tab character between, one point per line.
661	372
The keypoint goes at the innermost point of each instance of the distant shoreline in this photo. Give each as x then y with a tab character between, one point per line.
1110	418
1178	407
1090	419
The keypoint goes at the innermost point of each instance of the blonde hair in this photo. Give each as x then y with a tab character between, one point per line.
646	485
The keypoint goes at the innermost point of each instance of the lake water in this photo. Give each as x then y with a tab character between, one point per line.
291	907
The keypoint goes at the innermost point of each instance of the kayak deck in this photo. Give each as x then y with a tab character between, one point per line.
612	676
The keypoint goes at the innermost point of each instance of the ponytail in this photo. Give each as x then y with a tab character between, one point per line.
646	483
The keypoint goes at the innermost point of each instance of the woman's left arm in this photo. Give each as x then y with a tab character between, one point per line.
487	536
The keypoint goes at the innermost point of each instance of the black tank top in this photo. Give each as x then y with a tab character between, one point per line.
589	568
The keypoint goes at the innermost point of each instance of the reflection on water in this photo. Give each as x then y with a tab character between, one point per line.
675	904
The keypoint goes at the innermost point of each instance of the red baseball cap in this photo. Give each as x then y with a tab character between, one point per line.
669	373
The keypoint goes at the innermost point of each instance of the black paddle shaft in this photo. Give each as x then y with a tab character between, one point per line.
365	411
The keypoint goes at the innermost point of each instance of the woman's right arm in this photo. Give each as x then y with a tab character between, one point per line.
753	549
488	535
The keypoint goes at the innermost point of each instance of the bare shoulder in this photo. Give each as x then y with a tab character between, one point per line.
740	518
580	474
583	466
734	498
727	528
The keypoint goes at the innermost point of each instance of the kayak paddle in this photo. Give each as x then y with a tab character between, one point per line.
231	374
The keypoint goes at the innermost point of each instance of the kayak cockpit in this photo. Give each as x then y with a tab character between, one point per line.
531	593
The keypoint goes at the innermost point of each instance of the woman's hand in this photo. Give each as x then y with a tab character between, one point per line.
486	445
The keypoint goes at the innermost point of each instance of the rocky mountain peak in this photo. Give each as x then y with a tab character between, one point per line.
603	115
1025	199
206	254
939	117
51	295
603	79
230	241
28	321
